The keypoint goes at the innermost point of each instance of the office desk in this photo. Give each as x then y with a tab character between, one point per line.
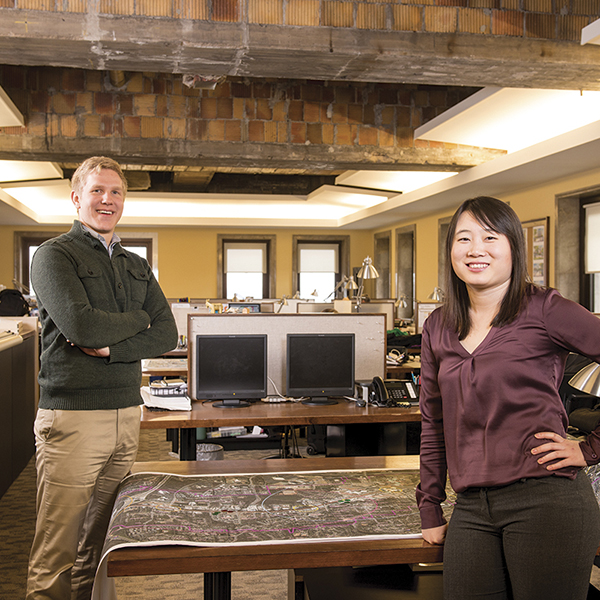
404	370
269	414
217	563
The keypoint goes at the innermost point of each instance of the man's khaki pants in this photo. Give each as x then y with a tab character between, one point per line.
81	457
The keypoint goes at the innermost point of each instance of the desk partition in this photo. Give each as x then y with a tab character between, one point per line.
387	307
369	331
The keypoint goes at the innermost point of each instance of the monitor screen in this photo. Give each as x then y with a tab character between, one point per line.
320	365
231	368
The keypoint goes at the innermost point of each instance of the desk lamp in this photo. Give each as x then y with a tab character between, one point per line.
283	302
367	271
587	380
437	295
345	284
402	301
350	285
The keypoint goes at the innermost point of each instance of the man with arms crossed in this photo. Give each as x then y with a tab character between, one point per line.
101	311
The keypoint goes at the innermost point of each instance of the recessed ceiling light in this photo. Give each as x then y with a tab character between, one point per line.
512	118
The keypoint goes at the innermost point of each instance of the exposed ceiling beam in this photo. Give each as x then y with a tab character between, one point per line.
100	42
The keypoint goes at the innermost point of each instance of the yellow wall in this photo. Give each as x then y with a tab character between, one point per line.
529	204
7	249
187	256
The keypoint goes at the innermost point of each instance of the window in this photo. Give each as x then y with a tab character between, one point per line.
246	267
27	242
405	270
596	293
571	278
319	262
382	256
592	253
319	270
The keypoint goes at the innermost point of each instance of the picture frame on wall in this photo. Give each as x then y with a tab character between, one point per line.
536	243
424	309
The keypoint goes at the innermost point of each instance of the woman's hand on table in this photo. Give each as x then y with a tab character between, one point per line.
435	535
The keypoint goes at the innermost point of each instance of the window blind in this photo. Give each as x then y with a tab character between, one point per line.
318	258
245	257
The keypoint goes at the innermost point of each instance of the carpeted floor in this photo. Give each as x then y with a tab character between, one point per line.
17	522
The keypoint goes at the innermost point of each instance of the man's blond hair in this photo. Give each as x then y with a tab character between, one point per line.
95	164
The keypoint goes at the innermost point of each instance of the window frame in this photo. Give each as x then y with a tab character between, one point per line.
382	258
406	260
23	240
569	245
269	278
343	243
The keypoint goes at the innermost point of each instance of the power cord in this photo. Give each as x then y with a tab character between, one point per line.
278	397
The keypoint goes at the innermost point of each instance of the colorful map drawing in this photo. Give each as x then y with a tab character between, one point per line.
203	510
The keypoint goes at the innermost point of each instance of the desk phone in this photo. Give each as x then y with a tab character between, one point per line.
393	392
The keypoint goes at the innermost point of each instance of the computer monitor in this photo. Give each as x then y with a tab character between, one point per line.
231	369
319	366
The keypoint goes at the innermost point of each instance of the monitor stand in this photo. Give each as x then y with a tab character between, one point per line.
319	401
231	403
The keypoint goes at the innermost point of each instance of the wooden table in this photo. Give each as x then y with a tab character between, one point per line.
218	562
269	414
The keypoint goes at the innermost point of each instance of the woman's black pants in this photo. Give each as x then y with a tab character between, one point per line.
532	540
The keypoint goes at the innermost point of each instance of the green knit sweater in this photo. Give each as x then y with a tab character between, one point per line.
92	300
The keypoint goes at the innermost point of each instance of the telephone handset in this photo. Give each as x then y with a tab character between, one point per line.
393	392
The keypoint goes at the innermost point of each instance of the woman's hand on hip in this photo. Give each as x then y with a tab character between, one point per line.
567	453
435	535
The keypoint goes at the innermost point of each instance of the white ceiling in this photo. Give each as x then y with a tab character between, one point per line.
360	199
591	33
10	116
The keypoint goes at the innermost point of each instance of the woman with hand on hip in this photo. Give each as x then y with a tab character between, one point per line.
526	524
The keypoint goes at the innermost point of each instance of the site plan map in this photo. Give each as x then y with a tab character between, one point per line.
154	508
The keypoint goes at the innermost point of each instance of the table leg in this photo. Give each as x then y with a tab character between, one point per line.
187	444
217	586
173	437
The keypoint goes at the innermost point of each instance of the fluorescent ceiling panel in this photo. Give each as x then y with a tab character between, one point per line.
575	152
591	33
10	115
21	170
511	118
50	202
397	181
350	198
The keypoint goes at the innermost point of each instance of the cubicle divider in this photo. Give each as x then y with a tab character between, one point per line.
387	307
369	331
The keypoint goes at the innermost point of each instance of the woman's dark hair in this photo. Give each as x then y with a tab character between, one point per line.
500	218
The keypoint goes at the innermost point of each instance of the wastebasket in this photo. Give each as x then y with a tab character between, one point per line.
209	452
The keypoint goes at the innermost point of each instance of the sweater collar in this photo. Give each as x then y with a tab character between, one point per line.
81	231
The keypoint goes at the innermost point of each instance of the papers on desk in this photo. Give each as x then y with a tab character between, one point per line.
164	364
165	402
168	387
